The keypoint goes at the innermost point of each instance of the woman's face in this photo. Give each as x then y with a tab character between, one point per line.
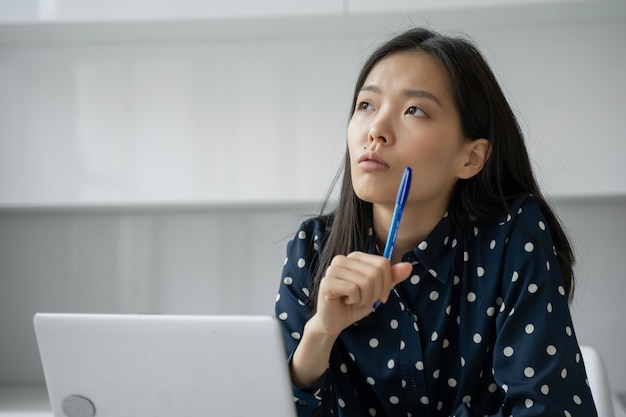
405	115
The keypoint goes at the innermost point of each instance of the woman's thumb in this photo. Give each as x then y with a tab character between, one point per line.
400	272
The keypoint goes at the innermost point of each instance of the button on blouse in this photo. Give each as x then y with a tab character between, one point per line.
481	328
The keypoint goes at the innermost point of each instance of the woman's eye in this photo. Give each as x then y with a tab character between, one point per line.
364	105
416	111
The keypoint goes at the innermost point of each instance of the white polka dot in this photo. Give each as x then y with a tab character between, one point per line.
434	295
480	271
551	350
301	263
436	373
423	245
491	311
341	403
568	330
288	280
475	231
391	364
467	399
545	390
454	242
456	280
373	343
529	372
564	373
508	351
529	328
394	400
433	272
566	413
296	335
462	361
577	400
492	244
452	382
434	336
515	276
471	297
532	288
424	400
283	316
561	290
505	388
343	368
372	412
370	380
465	256
302	235
477	338
529	247
542	225
393	324
419	365
549	307
547	265
493	388
445	343
528	403
415	279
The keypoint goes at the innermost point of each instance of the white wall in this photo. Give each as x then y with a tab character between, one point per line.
222	120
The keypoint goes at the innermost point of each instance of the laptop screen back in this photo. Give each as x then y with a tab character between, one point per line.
164	365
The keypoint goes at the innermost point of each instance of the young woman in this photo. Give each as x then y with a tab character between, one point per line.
474	317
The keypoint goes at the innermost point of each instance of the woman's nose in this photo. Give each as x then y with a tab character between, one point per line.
380	131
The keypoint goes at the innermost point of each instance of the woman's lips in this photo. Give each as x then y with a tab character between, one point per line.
371	161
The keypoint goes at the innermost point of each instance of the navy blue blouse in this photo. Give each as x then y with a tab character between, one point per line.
481	328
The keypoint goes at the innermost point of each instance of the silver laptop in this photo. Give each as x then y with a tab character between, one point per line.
164	365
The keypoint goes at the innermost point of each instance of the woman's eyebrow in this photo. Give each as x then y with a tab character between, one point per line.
422	93
407	93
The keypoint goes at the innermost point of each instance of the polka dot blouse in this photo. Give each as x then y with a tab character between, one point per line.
481	328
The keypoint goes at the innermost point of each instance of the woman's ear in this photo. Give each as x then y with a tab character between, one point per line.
476	153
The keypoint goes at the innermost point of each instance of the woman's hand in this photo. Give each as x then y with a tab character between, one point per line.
351	286
347	293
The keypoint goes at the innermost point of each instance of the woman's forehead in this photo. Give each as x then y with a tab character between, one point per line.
409	70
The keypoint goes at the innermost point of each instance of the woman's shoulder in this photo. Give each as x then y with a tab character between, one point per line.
521	210
523	216
314	227
310	236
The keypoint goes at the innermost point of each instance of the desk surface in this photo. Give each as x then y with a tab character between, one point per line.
33	402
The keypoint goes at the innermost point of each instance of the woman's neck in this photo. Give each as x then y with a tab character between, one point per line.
416	224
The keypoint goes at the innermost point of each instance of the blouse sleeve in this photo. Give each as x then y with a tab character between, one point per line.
293	311
537	361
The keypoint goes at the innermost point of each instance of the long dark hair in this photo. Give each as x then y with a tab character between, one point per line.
484	113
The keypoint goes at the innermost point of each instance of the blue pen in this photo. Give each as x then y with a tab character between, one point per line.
403	193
